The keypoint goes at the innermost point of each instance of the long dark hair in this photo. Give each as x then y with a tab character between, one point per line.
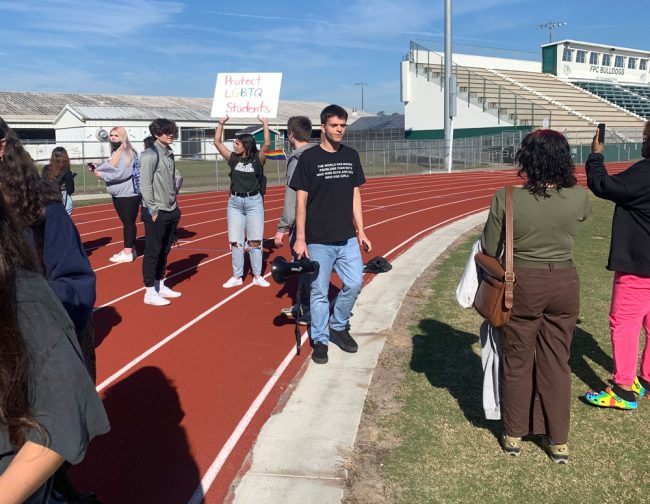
544	160
249	145
14	359
59	163
20	183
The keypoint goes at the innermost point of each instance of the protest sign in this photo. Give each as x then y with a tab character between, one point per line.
246	95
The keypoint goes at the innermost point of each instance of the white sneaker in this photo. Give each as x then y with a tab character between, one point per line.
155	299
166	292
260	282
233	282
121	258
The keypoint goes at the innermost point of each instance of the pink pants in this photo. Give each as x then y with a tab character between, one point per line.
630	308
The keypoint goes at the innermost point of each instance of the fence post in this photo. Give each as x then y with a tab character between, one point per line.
83	162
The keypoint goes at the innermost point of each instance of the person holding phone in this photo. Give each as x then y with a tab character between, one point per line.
58	172
629	259
245	212
117	172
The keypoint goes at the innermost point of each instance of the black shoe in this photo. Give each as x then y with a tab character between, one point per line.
319	355
343	340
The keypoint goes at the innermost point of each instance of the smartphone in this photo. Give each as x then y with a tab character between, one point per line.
91	166
365	245
601	133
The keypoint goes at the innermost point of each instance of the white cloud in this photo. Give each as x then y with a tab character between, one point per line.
91	17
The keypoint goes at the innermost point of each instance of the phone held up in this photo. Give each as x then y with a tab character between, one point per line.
601	133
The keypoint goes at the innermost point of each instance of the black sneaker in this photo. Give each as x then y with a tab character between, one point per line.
343	340
319	354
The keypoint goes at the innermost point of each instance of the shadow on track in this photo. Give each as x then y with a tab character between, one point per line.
145	457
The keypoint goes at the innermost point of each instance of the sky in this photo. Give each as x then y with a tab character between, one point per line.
323	48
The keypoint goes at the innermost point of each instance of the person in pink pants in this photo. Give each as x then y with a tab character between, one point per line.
629	258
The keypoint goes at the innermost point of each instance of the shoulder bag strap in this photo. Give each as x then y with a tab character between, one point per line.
509	276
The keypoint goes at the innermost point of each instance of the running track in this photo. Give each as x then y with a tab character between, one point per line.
188	386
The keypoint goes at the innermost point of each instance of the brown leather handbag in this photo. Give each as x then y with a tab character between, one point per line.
494	296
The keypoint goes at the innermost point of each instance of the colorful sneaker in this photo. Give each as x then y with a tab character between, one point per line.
559	453
511	445
639	389
608	399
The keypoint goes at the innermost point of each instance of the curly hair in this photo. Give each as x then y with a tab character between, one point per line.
14	358
20	183
544	160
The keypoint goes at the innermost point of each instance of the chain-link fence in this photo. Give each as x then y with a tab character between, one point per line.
205	170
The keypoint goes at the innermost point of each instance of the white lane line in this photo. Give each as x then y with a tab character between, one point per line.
215	468
169	338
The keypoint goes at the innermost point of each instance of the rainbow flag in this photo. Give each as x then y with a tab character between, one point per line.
277	155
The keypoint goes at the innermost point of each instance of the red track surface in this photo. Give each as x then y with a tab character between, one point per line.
177	380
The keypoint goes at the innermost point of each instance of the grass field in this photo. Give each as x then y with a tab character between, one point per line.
444	451
200	175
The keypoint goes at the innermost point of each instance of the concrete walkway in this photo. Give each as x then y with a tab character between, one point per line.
300	454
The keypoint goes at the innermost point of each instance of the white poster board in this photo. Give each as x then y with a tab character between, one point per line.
247	95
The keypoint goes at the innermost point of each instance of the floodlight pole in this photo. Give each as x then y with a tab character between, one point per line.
362	84
549	26
448	108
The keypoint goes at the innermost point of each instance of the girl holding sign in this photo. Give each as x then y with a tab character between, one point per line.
245	205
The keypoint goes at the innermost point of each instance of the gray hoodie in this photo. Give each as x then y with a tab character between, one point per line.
119	181
288	218
157	185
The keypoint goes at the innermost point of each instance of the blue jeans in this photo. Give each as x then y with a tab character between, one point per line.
344	258
245	222
67	202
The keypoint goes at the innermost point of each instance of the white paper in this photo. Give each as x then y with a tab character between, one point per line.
247	95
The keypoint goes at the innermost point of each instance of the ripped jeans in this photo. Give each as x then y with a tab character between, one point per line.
246	222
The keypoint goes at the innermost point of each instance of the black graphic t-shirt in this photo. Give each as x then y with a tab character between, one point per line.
243	173
329	178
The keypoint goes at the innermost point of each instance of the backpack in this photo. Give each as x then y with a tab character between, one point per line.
178	179
135	175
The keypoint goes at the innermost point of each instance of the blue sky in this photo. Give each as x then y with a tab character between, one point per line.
322	48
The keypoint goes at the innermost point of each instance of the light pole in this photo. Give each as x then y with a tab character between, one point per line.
549	26
362	84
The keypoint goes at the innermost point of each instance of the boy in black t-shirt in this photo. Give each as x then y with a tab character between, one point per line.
328	209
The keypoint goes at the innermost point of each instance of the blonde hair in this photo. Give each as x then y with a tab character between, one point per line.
126	148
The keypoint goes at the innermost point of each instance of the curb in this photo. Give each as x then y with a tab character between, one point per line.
301	452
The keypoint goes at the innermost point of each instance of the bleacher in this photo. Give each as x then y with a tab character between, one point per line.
527	98
636	99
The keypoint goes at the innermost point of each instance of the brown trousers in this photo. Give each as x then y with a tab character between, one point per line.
536	346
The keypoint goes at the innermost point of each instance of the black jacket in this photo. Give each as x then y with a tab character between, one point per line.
65	181
629	250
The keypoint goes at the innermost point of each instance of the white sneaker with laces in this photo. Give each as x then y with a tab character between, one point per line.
260	282
166	292
120	257
233	282
155	299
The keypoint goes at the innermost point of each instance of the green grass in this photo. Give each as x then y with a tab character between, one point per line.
199	175
449	453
